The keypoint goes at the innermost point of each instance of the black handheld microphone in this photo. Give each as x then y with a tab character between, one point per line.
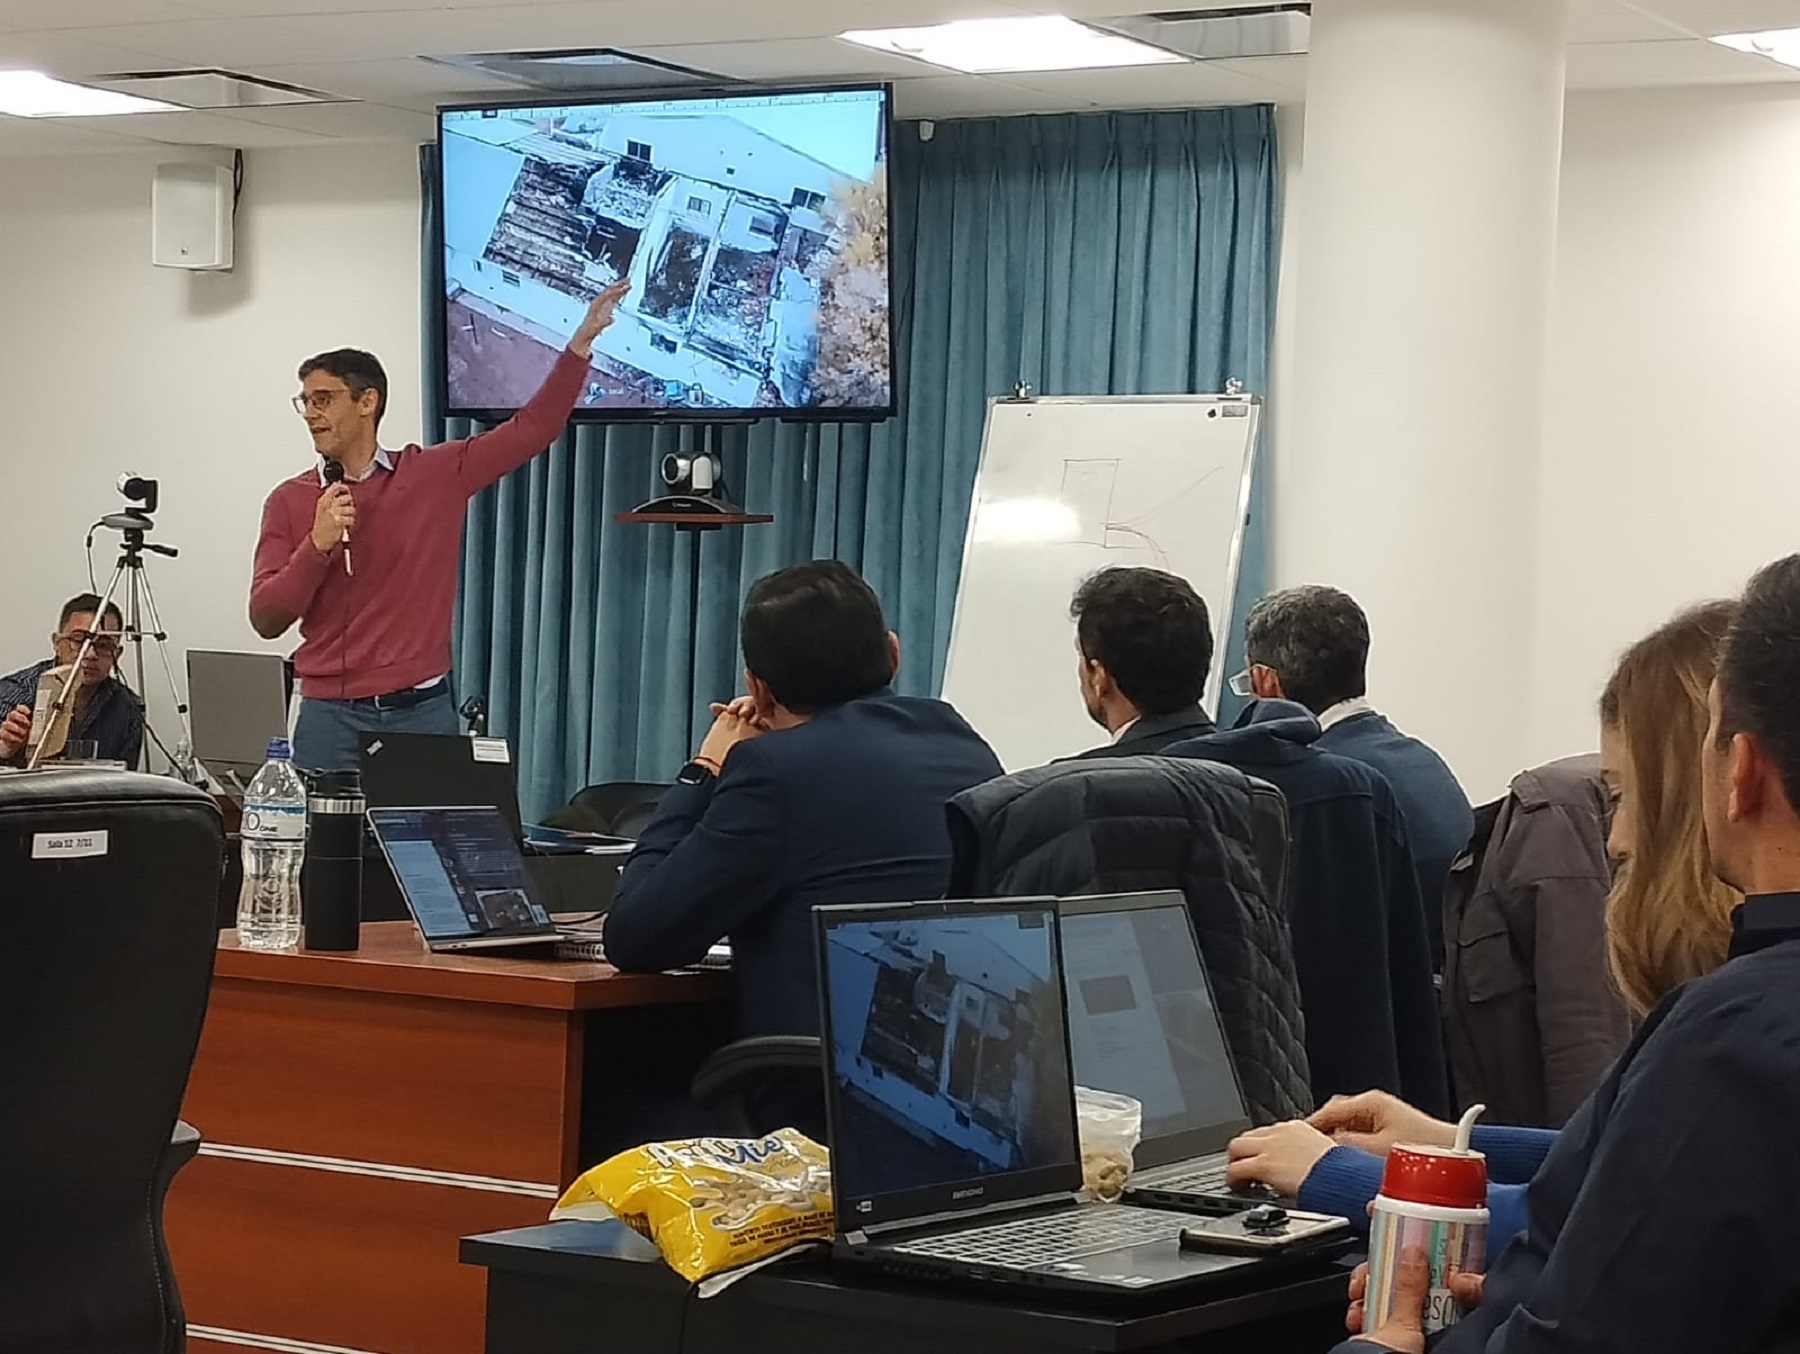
334	474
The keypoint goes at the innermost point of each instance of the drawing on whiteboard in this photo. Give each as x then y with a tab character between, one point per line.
1087	490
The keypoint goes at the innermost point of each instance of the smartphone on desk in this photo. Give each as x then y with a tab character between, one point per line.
1265	1230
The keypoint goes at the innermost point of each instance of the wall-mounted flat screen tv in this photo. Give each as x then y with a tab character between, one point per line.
754	228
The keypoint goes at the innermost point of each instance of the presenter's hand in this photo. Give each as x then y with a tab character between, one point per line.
1374	1121
15	731
727	732
335	515
599	316
1280	1156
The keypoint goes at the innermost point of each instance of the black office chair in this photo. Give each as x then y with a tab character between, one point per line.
108	885
622	808
754	1086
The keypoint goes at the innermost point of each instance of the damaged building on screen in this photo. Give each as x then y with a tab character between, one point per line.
718	226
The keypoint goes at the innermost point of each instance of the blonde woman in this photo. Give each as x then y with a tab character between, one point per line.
1668	921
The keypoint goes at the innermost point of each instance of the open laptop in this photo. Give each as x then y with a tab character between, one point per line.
462	876
237	703
951	1109
400	770
467	887
1142	1023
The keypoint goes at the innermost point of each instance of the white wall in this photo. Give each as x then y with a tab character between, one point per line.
108	364
1669	469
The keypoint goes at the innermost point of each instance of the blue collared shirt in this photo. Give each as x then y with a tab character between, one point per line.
384	460
113	719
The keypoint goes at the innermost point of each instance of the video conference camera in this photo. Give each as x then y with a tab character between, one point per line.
141	497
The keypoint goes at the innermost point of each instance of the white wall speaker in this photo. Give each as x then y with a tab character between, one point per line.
190	217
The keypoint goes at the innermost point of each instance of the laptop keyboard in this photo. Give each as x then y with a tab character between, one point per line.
1072	1234
1201	1179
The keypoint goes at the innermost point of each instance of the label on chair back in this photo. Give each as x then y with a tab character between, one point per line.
68	845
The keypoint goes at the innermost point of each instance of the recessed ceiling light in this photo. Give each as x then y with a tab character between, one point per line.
32	94
988	46
1778	44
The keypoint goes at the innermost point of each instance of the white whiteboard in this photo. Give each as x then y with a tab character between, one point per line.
1068	486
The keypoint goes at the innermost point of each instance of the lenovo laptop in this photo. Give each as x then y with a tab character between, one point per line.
951	1109
463	879
467	887
1142	1023
400	770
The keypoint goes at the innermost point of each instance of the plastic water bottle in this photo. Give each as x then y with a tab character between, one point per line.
274	848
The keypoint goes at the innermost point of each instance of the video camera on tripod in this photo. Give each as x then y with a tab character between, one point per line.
135	524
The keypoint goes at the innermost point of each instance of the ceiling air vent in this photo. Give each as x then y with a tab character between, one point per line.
585	70
212	90
1217	34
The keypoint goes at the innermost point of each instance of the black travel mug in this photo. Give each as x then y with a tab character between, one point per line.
331	878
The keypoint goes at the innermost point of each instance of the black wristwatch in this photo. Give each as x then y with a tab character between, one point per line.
695	773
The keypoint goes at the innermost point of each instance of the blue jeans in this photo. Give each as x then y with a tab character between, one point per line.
328	735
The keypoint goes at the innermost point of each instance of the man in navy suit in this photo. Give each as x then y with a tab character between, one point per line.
819	787
1144	643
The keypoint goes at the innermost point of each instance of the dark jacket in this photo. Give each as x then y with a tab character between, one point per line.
1532	1019
1152	733
846	808
1133	824
1438	819
113	720
1663	1219
1353	908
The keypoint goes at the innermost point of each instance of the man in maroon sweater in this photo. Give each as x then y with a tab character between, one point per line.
367	565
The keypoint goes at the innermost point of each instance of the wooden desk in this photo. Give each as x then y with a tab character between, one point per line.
363	1112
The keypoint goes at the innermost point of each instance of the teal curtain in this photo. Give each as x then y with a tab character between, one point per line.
1113	253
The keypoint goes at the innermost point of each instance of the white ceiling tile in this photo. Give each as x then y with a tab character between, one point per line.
1637	65
226	43
31	14
1708	17
345	121
70	55
963	96
628	24
1191	85
53	136
1285	75
1611	21
193	129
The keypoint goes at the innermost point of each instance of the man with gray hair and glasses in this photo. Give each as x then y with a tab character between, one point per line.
1310	645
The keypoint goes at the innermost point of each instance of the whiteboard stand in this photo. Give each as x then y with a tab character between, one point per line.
1068	485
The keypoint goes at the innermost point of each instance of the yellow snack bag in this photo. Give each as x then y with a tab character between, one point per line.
713	1204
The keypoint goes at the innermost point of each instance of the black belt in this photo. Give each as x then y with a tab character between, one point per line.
404	700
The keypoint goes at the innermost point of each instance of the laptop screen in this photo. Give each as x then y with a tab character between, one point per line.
460	871
947	1057
1141	1017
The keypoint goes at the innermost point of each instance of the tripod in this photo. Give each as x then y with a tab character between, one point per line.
140	601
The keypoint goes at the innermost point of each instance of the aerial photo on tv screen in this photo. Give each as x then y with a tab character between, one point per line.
753	229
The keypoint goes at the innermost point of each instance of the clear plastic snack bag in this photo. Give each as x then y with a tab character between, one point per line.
1110	1126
